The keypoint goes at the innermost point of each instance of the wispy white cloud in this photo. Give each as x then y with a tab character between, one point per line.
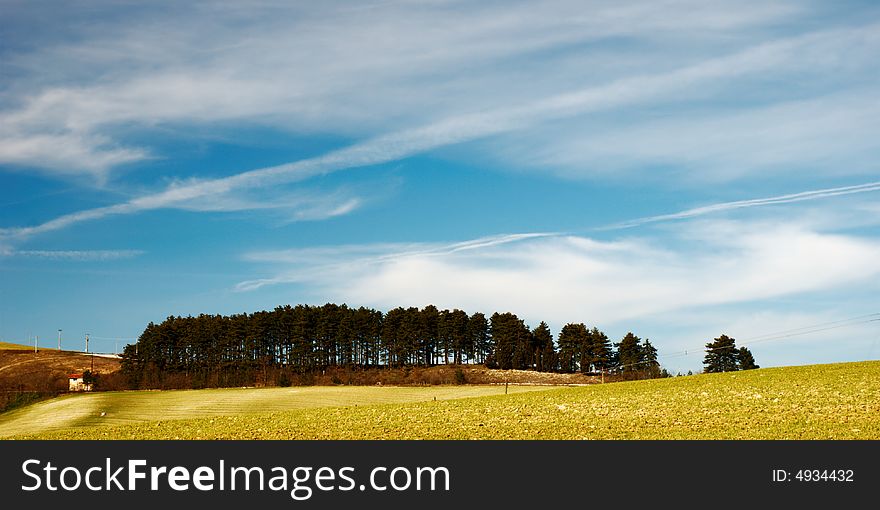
321	211
321	258
75	255
399	64
744	204
68	153
560	277
315	260
627	91
717	92
697	144
289	204
222	195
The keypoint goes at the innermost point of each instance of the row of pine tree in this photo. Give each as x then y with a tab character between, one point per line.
307	338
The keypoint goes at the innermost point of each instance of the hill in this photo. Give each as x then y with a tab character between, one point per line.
838	401
94	411
26	376
47	369
15	347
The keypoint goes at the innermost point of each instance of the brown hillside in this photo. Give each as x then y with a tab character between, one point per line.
47	370
443	374
482	375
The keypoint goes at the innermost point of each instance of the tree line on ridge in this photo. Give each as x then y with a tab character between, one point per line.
217	350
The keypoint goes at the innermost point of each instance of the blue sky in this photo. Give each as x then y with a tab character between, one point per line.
679	169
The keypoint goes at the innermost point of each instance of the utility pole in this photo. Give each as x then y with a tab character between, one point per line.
59	339
87	342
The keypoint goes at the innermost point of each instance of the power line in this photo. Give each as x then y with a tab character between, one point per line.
115	341
815	328
785	332
811	331
805	330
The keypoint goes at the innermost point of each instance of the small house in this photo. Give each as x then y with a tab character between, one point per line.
77	383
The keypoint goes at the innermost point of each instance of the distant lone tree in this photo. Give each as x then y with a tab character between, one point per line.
745	359
721	355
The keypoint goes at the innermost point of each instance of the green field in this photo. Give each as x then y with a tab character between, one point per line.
840	401
91	412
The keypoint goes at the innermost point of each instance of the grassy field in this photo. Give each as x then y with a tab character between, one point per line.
15	347
91	412
840	401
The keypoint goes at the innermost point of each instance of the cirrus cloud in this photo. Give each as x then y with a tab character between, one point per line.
558	277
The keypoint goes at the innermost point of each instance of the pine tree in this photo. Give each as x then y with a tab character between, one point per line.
461	345
549	358
745	359
541	338
505	335
600	350
721	355
444	333
649	359
571	339
390	336
427	346
478	336
629	353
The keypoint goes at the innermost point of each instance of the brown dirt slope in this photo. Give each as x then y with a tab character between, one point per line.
22	369
47	370
483	375
477	374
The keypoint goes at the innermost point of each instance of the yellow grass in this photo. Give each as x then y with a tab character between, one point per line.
90	411
839	401
15	347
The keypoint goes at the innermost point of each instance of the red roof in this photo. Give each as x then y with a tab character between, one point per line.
76	376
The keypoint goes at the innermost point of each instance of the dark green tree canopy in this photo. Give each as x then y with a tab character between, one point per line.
572	339
601	350
233	350
721	355
629	353
542	339
745	359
